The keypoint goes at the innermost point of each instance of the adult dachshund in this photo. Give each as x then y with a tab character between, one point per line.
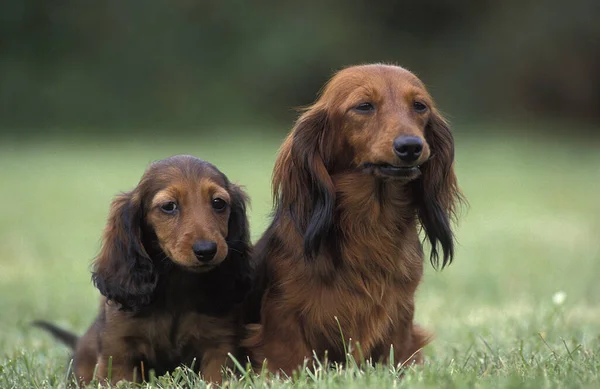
367	165
173	268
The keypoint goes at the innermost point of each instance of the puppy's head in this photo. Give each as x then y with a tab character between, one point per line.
184	212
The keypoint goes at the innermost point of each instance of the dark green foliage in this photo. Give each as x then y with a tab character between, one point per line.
184	63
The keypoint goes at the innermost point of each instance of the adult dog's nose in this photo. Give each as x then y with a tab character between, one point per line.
205	250
408	148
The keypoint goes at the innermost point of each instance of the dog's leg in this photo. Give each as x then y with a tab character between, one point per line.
117	369
214	360
408	346
86	356
283	350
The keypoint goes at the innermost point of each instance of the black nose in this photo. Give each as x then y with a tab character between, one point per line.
204	250
408	148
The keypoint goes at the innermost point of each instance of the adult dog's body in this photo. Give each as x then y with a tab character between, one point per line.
364	167
173	269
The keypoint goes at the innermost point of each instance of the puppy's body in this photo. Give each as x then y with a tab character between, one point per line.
342	258
199	330
173	270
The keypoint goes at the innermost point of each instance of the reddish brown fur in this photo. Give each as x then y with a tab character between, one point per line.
162	307
344	245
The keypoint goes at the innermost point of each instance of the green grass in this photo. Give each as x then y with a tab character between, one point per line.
532	231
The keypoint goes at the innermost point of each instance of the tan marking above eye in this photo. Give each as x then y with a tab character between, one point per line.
212	190
163	196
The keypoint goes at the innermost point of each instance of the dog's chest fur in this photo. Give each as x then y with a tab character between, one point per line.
182	324
176	339
369	293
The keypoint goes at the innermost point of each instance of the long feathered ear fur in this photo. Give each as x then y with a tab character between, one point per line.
437	190
301	182
123	271
238	233
238	240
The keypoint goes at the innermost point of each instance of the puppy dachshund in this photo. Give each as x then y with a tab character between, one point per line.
173	268
365	168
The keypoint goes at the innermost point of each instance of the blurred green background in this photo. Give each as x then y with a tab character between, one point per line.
99	66
92	92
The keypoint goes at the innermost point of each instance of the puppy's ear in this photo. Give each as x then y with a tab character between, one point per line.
238	266
238	233
123	271
437	190
301	182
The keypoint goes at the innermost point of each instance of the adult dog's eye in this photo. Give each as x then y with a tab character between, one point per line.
419	107
170	207
365	107
219	204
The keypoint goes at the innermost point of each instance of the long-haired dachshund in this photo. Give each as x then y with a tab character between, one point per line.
367	165
173	269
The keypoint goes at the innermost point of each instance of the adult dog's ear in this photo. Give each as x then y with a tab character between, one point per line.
123	271
301	183
437	190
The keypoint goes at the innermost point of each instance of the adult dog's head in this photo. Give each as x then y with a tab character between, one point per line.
377	120
185	213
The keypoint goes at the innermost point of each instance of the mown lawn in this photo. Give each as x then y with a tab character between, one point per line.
519	307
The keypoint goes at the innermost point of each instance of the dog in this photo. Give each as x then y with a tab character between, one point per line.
173	269
368	165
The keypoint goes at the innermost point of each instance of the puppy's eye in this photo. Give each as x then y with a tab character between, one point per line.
419	107
365	107
170	207
219	204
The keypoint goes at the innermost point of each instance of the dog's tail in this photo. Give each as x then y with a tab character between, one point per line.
68	338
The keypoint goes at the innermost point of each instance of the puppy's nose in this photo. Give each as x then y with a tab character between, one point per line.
205	250
408	148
